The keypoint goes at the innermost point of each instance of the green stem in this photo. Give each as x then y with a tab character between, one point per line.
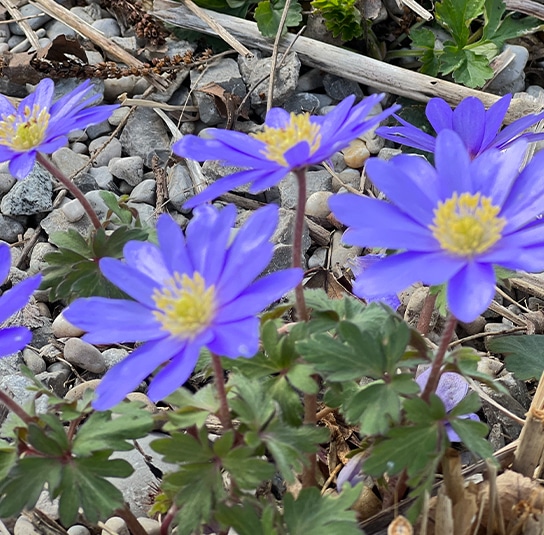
71	187
302	312
224	412
15	408
436	371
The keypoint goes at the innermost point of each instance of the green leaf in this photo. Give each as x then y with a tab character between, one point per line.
470	403
101	432
247	470
423	43
321	515
191	409
300	376
473	436
268	15
375	407
467	67
524	354
342	17
184	448
248	518
288	446
457	16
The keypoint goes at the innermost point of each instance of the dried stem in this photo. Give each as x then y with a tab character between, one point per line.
224	412
71	187
131	521
436	366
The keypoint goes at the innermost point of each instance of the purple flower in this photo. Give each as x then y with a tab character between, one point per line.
351	474
359	265
287	142
189	292
451	389
478	128
13	339
452	222
38	125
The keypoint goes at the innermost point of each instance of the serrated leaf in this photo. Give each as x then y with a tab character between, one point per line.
321	515
473	435
342	17
71	240
375	407
268	15
184	448
247	518
248	471
300	376
457	15
468	68
101	432
423	43
191	409
524	355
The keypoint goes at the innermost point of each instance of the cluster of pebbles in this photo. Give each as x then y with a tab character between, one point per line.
122	156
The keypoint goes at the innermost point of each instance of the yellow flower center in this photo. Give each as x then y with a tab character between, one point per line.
25	131
467	224
185	307
279	140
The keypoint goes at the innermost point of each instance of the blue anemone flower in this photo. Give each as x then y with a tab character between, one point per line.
189	292
287	142
478	128
452	222
14	338
39	125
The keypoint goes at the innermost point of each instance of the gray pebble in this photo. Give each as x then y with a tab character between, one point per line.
56	28
319	258
317	204
35	22
108	27
151	526
79	390
180	186
37	262
512	78
144	192
24	526
10	229
73	210
103	149
30	196
68	161
103	177
62	328
84	355
33	361
316	181
117	525
78	530
113	356
99	129
130	169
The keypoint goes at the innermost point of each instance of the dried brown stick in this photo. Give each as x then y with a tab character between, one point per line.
22	21
529	7
335	60
59	12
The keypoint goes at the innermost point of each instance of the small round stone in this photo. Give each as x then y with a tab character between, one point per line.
78	530
317	204
84	355
77	392
117	525
356	154
62	328
151	527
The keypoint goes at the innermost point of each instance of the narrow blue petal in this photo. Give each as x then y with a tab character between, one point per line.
21	164
249	253
41	96
175	373
148	259
299	156
207	236
398	186
452	162
6	107
494	118
375	223
5	261
172	245
525	200
132	281
111	321
408	135
259	295
439	114
395	273
277	118
268	179
13	339
126	376
515	130
237	339
471	291
50	145
17	297
469	122
225	184
421	173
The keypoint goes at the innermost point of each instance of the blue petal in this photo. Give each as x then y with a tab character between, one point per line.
126	376
237	339
259	295
147	258
395	273
175	373
515	130
249	253
299	156
132	281
21	164
17	297
439	114
408	135
110	321
471	291
452	162
5	261
277	118
493	120
41	96
172	245
469	123
13	339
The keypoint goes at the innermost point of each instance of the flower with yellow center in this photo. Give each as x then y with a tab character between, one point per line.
40	125
467	225
25	130
193	291
185	307
287	142
452	223
278	141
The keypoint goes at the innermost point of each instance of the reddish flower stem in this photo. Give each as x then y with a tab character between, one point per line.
71	187
436	372
224	412
15	408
